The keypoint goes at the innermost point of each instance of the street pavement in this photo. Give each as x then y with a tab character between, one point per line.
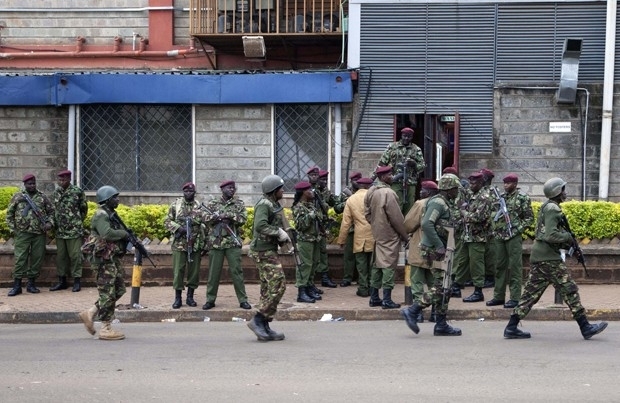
154	304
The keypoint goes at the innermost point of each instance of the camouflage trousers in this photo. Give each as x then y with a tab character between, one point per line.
272	281
541	275
111	287
437	295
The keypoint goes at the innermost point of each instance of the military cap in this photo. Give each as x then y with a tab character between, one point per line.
449	170
226	183
511	178
407	130
303	185
313	170
487	172
323	174
383	170
475	176
27	177
355	175
187	185
364	181
429	185
66	172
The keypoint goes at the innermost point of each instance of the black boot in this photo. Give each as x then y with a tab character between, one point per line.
588	330
387	300
273	335
190	297
477	296
411	316
77	284
312	294
17	288
374	297
178	299
257	325
327	282
31	287
433	317
512	332
62	284
302	296
443	329
315	289
456	290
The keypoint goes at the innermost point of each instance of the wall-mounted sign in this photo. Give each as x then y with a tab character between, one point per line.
559	127
446	118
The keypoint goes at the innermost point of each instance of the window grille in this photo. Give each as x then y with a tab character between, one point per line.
135	147
302	131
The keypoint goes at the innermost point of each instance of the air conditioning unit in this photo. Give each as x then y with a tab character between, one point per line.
264	4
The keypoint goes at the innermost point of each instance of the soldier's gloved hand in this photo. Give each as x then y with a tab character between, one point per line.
410	162
181	231
47	226
440	253
283	236
347	192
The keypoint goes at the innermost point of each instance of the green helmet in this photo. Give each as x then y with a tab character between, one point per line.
271	183
553	187
104	193
448	181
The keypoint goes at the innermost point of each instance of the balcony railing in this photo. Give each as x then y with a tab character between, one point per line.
283	17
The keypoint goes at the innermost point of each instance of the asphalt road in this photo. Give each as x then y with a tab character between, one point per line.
318	362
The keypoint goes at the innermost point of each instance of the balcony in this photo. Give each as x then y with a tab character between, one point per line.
222	24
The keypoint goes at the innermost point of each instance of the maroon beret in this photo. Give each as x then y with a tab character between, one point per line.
27	177
313	170
511	178
429	185
449	170
364	181
475	176
226	183
383	170
487	172
407	130
355	175
187	185
302	185
323	174
66	172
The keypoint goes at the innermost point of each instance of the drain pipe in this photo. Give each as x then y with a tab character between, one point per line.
71	144
337	149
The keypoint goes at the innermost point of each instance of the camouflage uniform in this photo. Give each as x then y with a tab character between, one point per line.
349	260
396	155
29	234
510	247
309	237
460	267
477	223
176	218
323	202
110	272
268	218
70	210
221	244
491	246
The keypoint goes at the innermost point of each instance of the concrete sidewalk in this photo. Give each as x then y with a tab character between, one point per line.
601	301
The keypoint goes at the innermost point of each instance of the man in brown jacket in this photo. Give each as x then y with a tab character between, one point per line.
382	211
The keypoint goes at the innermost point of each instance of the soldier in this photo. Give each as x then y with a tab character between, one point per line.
407	162
70	210
491	246
421	273
476	215
433	246
348	254
382	212
226	217
110	246
29	216
508	229
268	233
309	236
323	199
185	221
460	268
548	267
363	242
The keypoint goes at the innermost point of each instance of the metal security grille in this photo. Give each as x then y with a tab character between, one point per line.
135	147
302	131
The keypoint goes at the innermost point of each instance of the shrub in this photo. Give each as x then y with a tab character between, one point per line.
5	196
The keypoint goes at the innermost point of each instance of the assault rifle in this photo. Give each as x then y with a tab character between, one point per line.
132	238
188	238
328	223
503	211
292	234
35	210
223	224
401	176
575	249
446	265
